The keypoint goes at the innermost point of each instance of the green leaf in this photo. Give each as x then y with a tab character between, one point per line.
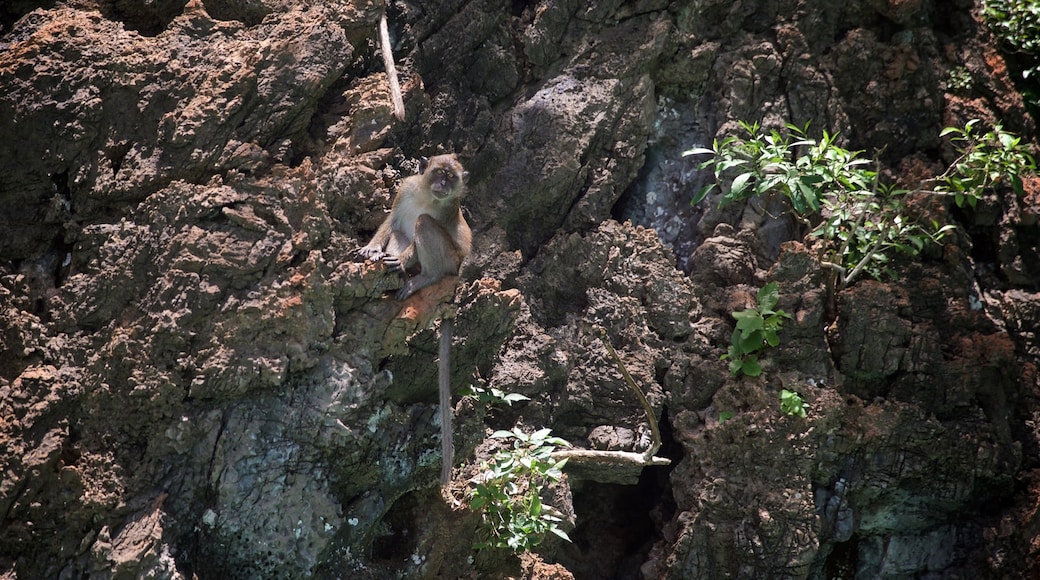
1016	185
751	367
723	166
798	203
807	192
748	321
557	441
739	184
736	366
560	533
702	193
752	342
768	296
535	509
514	397
698	151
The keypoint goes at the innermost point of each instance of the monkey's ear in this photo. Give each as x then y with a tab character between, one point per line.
465	176
424	163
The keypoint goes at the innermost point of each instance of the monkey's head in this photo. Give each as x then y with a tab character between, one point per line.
444	174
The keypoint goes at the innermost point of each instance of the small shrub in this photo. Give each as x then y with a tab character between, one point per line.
756	330
492	396
508	492
959	80
791	403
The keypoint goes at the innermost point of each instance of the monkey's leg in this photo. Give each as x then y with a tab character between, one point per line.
438	255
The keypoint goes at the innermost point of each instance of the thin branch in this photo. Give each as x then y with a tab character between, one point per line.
391	69
866	257
655	432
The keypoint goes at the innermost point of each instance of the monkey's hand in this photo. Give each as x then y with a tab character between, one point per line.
394	263
371	254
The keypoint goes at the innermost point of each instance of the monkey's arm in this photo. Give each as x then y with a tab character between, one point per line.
374	250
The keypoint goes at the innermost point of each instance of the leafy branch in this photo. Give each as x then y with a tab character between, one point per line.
1016	22
986	161
830	188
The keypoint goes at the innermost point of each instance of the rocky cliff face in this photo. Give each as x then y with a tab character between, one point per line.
196	378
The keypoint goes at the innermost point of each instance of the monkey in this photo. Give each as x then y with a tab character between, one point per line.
426	228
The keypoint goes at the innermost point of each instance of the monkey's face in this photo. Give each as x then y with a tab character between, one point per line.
443	182
445	177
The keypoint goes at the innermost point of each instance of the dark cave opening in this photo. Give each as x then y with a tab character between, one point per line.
1002	263
841	563
617	525
145	18
396	540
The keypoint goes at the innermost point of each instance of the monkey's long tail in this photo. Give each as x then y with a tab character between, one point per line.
444	380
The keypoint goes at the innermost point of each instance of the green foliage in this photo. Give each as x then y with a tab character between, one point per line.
508	492
791	403
865	227
959	80
986	161
756	330
827	187
1016	22
762	163
492	396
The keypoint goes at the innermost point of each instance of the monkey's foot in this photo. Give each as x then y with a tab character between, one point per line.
405	292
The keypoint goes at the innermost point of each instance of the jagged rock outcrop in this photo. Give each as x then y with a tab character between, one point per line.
197	379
